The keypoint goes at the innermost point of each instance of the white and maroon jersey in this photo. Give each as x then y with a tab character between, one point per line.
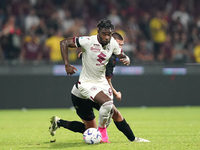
95	57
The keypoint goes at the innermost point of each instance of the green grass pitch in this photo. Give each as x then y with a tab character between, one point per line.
169	128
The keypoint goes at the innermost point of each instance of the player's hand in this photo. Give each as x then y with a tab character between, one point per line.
118	96
125	61
70	69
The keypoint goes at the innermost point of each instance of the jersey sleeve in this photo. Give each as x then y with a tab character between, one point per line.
117	50
82	41
109	70
110	66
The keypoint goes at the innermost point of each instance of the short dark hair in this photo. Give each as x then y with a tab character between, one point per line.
104	23
118	36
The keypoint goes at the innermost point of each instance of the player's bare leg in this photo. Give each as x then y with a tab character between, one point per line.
90	124
117	117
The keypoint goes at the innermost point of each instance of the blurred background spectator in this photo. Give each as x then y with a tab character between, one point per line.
143	52
197	53
181	16
158	27
166	50
114	17
31	50
31	20
52	45
30	30
11	39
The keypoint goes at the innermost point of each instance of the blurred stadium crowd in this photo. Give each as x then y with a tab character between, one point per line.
155	31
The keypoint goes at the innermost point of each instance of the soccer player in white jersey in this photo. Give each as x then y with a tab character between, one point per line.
92	82
84	108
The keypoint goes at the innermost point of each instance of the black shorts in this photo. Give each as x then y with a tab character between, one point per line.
84	107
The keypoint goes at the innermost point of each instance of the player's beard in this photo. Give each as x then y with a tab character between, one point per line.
105	42
102	42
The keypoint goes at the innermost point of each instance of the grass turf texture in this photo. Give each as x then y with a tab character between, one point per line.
170	128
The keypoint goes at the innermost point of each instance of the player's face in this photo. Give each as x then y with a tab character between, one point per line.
120	42
104	36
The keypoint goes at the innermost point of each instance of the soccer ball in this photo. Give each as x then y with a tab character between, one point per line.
92	136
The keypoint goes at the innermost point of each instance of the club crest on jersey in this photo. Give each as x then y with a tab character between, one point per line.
95	48
108	47
94	88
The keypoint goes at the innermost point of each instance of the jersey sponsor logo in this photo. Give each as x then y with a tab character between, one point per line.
100	64
101	58
94	49
96	45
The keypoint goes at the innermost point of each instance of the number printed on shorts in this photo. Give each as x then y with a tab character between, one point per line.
110	91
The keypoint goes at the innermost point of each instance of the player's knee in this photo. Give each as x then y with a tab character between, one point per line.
106	108
90	124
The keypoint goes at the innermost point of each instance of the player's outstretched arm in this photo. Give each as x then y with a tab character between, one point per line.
118	95
124	59
64	44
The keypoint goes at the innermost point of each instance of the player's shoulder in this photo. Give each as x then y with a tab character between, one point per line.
112	39
87	37
84	38
83	41
113	42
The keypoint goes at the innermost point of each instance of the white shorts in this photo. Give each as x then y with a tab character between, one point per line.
77	93
89	90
